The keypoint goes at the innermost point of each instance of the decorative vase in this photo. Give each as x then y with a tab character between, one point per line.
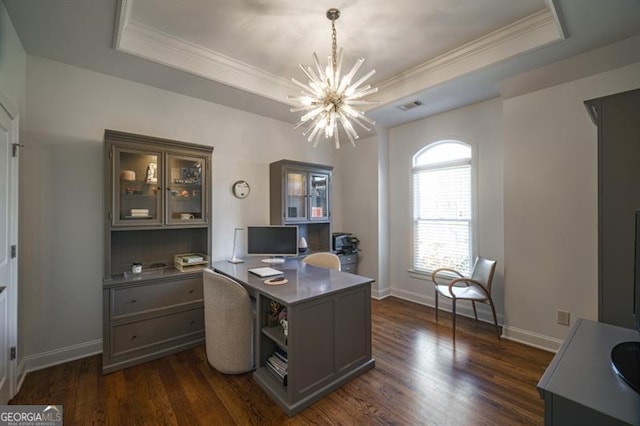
302	245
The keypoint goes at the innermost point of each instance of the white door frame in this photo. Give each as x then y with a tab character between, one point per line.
12	285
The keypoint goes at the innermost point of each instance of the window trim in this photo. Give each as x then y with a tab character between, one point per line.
426	274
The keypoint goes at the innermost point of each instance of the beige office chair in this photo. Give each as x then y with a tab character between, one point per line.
323	260
229	323
477	288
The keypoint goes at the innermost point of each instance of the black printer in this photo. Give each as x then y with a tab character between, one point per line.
344	243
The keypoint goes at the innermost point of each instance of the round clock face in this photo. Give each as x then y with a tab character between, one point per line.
241	189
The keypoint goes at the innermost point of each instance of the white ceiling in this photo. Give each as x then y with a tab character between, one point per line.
242	53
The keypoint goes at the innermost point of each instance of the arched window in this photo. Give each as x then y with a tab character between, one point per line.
443	207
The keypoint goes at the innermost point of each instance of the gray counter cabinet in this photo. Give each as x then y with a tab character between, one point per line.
580	386
158	195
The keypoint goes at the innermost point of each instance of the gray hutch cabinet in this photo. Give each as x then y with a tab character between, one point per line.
157	199
300	194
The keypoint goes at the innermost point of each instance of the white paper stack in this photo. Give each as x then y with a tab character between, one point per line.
139	212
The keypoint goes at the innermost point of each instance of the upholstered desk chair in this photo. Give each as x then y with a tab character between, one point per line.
477	288
323	260
229	323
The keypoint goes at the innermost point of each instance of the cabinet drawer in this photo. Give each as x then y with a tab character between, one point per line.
146	297
351	268
140	334
348	258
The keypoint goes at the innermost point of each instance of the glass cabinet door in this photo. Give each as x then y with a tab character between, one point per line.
319	196
185	194
296	196
137	195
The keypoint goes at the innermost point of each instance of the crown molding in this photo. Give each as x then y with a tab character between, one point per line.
148	43
532	32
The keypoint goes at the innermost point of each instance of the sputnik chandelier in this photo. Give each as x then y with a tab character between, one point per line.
328	100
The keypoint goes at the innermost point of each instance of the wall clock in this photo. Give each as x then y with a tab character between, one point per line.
240	189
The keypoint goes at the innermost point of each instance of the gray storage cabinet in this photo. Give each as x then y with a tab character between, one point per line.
618	120
349	263
300	194
157	194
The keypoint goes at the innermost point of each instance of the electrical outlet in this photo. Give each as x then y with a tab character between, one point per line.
563	317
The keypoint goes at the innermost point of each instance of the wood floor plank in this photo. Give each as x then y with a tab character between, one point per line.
420	377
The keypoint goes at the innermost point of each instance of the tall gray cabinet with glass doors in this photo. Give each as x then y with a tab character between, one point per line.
158	205
301	195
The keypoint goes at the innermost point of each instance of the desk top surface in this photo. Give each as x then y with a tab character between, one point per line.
582	371
305	282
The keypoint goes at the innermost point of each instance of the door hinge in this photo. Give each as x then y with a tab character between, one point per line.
110	154
14	149
14	251
12	353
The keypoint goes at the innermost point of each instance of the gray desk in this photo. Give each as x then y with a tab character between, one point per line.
329	333
580	386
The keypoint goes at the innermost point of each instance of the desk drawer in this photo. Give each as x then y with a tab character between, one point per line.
141	334
346	259
146	297
351	268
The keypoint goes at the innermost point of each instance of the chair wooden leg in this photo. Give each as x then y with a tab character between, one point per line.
495	320
436	305
453	318
475	313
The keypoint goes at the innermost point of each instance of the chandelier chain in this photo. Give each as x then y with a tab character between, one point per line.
334	43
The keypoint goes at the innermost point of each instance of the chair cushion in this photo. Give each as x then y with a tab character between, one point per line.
468	293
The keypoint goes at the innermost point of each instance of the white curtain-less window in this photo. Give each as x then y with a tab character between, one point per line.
442	207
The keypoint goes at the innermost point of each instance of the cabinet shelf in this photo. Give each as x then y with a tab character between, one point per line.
275	333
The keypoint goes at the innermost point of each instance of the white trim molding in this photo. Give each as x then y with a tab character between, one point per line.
148	43
532	32
530	338
58	356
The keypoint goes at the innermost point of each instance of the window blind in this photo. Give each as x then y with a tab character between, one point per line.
442	218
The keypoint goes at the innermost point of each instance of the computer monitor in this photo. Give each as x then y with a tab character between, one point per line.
274	241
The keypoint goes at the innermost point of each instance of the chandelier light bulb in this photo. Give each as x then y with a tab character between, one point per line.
328	100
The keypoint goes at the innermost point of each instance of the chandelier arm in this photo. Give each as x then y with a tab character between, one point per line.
364	78
360	102
348	130
346	80
362	93
360	123
309	73
303	86
312	123
319	68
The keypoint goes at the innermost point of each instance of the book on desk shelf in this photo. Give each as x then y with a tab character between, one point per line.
277	367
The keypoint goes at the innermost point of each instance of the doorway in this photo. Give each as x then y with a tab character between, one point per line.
8	249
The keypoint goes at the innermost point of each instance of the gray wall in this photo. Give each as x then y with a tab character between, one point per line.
62	179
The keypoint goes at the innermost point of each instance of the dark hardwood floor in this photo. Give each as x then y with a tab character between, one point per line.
419	378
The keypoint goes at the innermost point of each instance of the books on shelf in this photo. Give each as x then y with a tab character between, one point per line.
139	212
277	364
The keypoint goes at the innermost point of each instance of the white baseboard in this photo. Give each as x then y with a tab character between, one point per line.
53	357
547	343
525	337
381	294
464	309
